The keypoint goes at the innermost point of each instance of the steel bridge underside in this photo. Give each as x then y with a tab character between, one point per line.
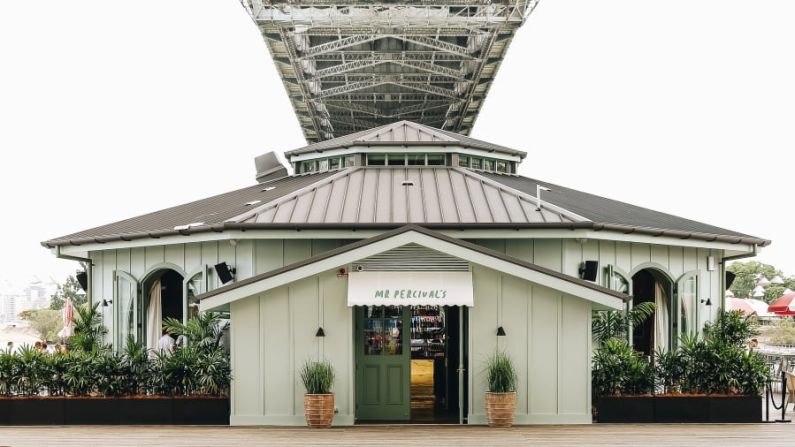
351	66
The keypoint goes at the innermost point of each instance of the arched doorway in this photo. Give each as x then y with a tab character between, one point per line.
651	285
163	298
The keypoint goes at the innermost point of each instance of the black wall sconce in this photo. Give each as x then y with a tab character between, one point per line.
501	332
320	332
106	303
708	302
588	270
82	279
225	273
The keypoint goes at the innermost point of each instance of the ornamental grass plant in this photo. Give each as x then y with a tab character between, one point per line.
500	373
318	377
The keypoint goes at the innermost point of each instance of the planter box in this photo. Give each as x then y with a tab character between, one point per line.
104	411
679	409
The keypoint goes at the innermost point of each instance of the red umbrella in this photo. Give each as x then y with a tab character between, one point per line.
741	305
785	305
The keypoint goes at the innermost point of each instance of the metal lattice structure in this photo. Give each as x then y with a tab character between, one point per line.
350	65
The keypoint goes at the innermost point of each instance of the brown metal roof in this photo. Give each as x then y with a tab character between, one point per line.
207	212
620	216
403	195
419	229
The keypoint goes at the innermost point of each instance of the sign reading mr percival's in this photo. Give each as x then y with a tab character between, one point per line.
410	289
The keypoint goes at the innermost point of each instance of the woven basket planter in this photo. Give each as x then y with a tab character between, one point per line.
319	410
500	409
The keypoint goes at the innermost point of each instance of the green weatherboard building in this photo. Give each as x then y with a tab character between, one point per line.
411	248
401	250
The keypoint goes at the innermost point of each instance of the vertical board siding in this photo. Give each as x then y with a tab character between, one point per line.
277	370
544	341
245	356
303	321
483	323
575	320
513	317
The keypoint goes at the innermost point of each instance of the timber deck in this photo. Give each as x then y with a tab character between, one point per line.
416	435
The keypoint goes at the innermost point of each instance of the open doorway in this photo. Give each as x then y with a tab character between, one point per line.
435	355
164	299
659	331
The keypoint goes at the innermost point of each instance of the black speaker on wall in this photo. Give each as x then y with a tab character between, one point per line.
82	279
730	279
588	270
225	273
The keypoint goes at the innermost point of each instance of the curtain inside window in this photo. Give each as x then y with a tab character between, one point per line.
660	318
154	317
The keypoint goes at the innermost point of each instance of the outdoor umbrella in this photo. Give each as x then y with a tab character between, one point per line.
741	305
785	305
67	314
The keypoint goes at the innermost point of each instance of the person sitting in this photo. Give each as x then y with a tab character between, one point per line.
166	343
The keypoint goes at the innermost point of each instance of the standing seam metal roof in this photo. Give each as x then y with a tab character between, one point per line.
405	195
209	211
604	210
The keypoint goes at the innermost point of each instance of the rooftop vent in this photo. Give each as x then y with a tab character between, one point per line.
188	226
269	167
268	188
407	183
253	202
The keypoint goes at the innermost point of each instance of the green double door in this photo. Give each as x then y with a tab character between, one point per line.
383	363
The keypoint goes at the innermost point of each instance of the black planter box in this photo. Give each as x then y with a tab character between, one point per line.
111	410
679	409
626	409
201	411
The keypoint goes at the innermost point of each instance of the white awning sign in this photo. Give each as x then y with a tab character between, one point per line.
410	289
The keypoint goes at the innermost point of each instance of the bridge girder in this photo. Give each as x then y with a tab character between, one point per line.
353	63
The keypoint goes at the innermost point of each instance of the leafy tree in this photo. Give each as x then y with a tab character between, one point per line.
748	275
45	321
69	289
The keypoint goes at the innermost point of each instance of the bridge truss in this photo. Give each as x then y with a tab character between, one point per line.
351	65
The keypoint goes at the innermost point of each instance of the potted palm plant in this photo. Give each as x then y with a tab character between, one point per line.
501	390
318	378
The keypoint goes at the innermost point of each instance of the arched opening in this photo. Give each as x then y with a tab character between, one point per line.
650	285
163	298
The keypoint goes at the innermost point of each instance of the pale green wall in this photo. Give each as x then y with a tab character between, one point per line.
273	334
547	332
548	338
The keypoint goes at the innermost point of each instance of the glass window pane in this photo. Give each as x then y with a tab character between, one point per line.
334	163
308	166
322	165
416	159
476	163
376	159
435	159
350	160
502	166
463	161
488	164
397	159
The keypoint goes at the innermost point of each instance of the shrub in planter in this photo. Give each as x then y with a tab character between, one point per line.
318	378
501	390
619	370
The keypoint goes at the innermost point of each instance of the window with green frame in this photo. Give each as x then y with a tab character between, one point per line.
484	163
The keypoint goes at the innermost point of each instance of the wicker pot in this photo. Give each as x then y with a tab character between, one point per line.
319	410
500	409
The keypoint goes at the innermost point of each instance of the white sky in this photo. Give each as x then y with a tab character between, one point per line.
113	109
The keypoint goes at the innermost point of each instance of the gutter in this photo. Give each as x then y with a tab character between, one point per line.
88	265
595	226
